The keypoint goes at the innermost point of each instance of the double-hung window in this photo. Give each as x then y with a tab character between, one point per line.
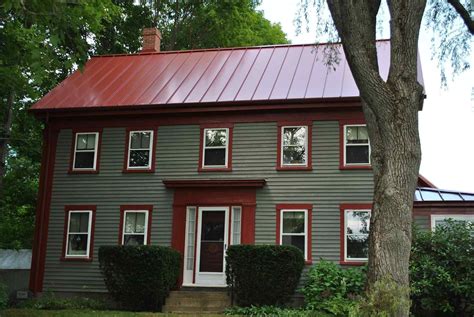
215	148
294	227
140	150
85	151
356	234
356	145
78	234
135	227
294	146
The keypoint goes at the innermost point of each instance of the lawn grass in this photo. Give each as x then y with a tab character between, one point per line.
86	313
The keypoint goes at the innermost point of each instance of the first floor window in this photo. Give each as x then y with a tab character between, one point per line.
294	146
441	220
215	148
293	229
135	227
356	145
78	233
140	149
356	234
85	151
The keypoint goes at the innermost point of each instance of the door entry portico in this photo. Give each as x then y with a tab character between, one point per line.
209	216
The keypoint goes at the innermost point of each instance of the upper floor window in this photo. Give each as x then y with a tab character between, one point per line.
135	227
356	234
356	145
294	150
294	227
85	151
216	144
140	150
78	235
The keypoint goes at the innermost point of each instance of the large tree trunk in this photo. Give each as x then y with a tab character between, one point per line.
391	111
5	137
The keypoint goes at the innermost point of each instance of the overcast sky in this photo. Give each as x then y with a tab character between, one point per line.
446	122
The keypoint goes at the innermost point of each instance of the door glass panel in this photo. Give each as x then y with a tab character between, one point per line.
212	241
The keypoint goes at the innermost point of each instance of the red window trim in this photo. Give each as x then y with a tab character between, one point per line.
309	165
229	126
73	150
67	209
309	208
342	165
151	169
124	208
343	208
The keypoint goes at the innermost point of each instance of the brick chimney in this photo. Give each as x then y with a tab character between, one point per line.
151	40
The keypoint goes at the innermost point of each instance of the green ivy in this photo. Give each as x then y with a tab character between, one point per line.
263	274
139	277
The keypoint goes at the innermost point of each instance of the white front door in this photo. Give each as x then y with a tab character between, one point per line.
211	245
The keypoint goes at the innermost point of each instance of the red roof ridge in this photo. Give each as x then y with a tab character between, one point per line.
223	49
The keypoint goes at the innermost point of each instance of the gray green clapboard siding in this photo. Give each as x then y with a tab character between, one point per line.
177	153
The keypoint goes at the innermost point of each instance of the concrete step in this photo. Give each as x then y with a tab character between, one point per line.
191	301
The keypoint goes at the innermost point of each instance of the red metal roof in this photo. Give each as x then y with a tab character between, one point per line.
255	74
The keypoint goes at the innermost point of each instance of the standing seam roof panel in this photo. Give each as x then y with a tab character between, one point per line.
251	82
270	75
286	74
240	73
302	73
136	88
160	81
206	80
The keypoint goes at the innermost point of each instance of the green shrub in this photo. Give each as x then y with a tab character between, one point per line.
3	296
332	289
49	301
442	270
263	274
139	277
272	311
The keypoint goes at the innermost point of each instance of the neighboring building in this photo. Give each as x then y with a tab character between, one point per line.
15	272
202	149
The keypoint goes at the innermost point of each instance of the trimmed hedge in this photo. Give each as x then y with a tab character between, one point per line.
139	277
263	274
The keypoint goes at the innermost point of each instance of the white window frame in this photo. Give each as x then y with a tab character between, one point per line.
145	232
74	168
204	147
282	145
346	211
346	145
150	149
305	233
465	217
68	233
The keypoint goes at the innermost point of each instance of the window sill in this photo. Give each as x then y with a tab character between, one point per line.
78	259
355	167
215	169
83	172
138	170
294	168
353	263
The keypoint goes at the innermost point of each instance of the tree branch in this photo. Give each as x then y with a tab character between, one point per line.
464	14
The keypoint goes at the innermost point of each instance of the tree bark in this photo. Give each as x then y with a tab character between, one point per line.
5	137
391	112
